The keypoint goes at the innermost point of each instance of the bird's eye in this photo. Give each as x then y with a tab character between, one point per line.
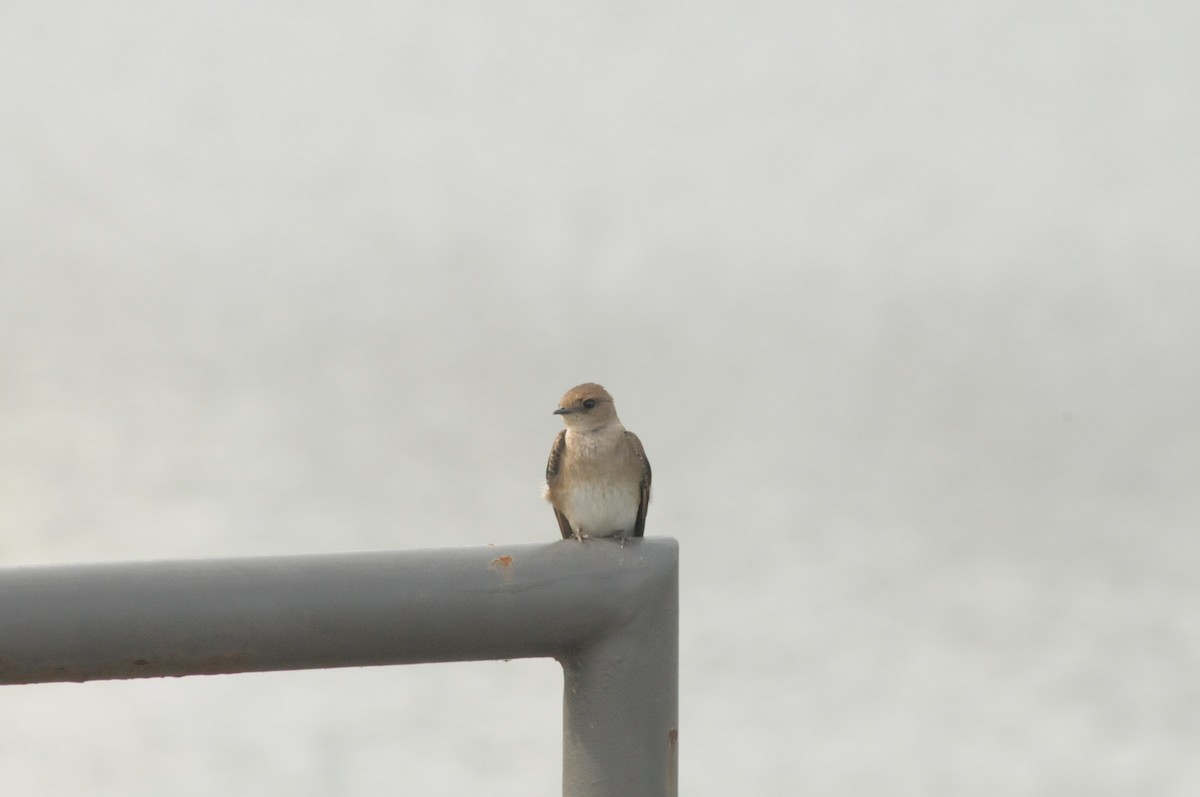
589	403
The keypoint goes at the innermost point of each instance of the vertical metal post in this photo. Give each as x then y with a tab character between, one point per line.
621	703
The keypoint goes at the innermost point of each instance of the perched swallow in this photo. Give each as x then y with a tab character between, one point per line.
597	477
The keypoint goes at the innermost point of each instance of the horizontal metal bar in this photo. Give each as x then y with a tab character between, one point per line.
145	619
608	611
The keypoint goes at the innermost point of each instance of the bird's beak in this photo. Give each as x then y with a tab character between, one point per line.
563	411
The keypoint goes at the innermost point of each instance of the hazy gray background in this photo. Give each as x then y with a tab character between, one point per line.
902	300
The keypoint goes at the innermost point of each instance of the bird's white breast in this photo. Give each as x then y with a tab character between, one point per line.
601	509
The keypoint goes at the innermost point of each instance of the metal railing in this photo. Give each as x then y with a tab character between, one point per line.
608	612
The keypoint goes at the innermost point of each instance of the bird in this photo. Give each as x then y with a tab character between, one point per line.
597	476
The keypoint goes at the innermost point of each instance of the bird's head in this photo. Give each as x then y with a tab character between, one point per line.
586	407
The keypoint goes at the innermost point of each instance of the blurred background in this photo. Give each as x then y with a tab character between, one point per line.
902	300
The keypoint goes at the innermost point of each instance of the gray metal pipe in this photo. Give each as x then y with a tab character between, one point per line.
607	611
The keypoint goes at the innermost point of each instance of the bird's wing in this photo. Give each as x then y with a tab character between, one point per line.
556	452
564	525
639	526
